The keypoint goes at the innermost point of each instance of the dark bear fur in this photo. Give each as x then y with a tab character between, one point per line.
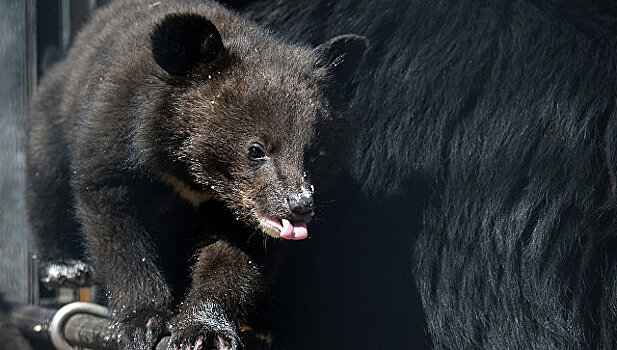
488	130
170	133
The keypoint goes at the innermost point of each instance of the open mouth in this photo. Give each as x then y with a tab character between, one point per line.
284	228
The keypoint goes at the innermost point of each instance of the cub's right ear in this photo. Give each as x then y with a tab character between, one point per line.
341	55
183	40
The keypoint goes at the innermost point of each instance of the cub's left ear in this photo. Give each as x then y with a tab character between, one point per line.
342	55
181	41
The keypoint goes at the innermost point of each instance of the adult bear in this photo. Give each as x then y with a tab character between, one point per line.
504	114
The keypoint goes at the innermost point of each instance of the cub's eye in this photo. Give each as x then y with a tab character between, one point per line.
256	151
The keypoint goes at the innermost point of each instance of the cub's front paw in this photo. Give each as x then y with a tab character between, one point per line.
66	273
203	333
143	329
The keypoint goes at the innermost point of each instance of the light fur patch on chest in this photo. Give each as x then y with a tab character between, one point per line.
196	198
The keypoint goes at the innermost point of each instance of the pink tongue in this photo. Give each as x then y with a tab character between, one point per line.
293	231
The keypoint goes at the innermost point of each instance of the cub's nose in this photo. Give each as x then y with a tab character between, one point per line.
301	206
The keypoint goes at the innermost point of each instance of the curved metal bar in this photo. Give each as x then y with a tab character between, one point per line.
56	326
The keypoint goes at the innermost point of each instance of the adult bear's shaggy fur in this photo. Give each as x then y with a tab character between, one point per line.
504	112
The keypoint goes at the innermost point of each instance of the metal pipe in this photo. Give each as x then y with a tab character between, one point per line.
86	325
32	321
74	325
81	324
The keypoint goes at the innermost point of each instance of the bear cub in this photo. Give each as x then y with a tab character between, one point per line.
168	137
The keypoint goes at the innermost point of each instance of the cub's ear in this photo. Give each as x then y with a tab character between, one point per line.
342	55
182	40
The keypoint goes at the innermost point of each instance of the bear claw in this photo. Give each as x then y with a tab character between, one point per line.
204	340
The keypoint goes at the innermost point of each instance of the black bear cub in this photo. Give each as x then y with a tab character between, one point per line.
172	132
